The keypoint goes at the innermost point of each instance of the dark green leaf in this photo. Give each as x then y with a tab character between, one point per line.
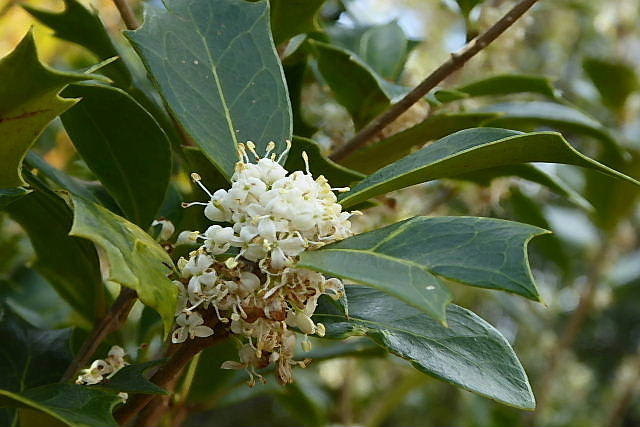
469	353
135	259
31	356
9	195
295	70
506	84
471	150
131	379
541	113
217	69
384	48
131	159
75	405
28	102
381	153
90	190
337	175
70	264
484	252
614	80
209	381
354	84
466	6
80	25
292	17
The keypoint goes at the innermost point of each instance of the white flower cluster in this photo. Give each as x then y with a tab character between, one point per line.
244	274
104	369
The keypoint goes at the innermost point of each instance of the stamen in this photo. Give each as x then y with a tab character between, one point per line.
252	148
270	147
285	152
306	162
188	205
341	189
197	179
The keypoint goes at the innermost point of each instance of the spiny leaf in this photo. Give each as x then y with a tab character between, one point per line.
483	252
131	379
74	405
216	67
28	102
471	150
469	353
135	259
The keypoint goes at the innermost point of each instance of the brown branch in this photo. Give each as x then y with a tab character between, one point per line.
112	321
166	375
127	14
454	63
573	327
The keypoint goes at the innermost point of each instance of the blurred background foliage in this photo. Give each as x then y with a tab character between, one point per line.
580	349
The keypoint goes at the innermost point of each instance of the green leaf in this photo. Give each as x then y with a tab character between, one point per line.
131	379
530	173
471	150
541	113
466	6
70	264
74	405
614	80
135	259
131	159
292	17
469	353
32	356
507	84
10	195
337	175
483	252
80	25
354	84
88	189
216	67
402	279
385	49
28	102
383	152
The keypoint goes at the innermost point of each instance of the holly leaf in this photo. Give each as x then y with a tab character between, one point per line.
132	159
131	379
77	24
73	404
469	353
34	356
292	17
68	263
471	150
28	102
135	259
10	195
215	65
483	252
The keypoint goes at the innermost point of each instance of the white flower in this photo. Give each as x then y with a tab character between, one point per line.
190	324
167	229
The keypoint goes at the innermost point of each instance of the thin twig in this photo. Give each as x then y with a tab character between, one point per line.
454	63
574	325
182	355
114	318
127	14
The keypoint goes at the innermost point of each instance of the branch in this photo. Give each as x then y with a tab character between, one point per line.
114	318
167	374
129	18
455	62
